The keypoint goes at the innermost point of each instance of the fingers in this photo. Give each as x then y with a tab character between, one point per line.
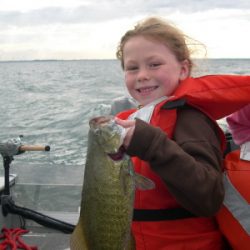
129	125
125	123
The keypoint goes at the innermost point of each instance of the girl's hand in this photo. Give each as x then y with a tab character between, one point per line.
129	125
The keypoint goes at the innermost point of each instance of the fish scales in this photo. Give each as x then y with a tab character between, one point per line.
108	192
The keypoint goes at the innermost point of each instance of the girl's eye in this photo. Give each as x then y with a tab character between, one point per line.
131	68
154	65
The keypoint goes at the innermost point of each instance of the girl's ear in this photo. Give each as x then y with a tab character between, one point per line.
185	69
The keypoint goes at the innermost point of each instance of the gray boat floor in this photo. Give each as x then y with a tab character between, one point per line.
51	190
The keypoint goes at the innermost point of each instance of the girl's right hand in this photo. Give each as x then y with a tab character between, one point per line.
129	125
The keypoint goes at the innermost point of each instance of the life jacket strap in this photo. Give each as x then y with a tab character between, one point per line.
161	214
179	103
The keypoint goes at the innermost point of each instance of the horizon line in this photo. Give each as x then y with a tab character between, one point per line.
114	59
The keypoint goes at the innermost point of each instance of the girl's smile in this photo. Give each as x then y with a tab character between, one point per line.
146	90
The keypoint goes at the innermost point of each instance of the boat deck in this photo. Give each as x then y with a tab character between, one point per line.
54	191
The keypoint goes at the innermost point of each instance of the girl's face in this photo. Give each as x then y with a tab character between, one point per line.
151	69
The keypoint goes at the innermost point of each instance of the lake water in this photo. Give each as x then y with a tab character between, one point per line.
50	102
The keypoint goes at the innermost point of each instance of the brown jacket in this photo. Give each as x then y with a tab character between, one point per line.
189	163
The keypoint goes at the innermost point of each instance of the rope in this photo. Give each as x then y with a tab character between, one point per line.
11	239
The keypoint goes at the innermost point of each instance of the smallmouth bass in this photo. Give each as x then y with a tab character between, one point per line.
108	191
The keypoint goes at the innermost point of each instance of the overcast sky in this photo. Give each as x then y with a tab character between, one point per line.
91	29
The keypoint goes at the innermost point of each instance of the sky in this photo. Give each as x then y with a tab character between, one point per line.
91	29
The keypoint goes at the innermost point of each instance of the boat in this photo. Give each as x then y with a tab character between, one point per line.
39	199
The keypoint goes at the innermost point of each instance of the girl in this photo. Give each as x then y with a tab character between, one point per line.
175	145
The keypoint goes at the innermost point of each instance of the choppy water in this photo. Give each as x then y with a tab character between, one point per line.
50	102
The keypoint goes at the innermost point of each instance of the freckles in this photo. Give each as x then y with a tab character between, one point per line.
126	79
129	81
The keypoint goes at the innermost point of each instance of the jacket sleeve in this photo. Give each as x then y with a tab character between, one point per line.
190	163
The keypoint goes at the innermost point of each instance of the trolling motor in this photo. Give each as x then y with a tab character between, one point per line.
15	147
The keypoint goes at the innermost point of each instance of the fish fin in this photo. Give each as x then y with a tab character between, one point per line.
127	169
143	183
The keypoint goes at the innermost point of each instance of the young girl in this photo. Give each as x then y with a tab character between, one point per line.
175	145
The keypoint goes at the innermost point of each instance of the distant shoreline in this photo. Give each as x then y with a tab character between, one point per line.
55	60
58	60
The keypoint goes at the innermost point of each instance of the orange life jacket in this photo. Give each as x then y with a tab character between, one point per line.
216	95
234	216
183	230
159	220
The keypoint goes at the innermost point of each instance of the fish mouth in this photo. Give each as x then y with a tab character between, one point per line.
99	121
117	156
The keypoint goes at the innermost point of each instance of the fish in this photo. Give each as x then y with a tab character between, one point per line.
108	191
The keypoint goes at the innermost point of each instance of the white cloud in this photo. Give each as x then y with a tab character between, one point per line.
26	5
74	29
223	31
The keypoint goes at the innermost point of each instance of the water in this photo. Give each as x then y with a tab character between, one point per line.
50	102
